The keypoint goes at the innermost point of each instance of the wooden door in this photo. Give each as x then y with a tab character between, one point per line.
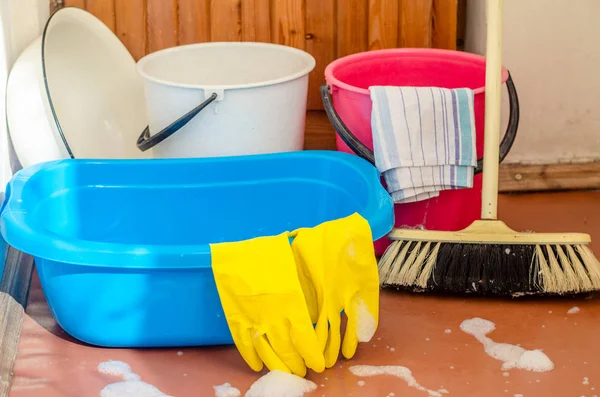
327	29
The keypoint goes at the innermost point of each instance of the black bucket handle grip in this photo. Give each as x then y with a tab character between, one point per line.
145	141
363	151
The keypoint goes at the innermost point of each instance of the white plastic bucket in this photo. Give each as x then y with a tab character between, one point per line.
237	97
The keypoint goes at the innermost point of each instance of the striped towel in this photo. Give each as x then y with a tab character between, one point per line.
423	140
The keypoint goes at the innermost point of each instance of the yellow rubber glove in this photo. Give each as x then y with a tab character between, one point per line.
264	305
337	269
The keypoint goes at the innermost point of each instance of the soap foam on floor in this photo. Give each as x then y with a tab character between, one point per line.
573	310
132	386
117	368
226	390
394	370
280	384
534	360
512	356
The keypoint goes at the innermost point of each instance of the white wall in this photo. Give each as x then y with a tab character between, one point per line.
21	21
552	48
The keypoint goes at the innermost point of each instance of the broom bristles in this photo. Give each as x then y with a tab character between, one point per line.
505	269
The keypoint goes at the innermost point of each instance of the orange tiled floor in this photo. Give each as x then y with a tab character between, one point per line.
51	365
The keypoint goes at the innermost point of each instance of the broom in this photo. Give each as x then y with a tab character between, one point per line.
488	257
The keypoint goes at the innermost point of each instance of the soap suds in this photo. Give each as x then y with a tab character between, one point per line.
586	380
394	370
573	310
392	349
448	331
280	384
535	360
117	368
226	390
443	391
517	395
132	386
365	322
512	356
361	383
477	326
180	354
505	374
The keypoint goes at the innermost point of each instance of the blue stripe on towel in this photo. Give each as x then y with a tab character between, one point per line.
465	127
461	178
456	130
420	125
445	122
444	128
435	133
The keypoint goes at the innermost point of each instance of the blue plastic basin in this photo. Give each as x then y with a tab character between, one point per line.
121	246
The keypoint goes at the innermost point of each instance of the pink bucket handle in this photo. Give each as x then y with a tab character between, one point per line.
363	151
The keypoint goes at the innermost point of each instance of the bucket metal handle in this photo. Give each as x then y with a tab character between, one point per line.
363	151
145	141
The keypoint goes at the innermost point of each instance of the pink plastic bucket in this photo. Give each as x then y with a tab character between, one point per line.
348	106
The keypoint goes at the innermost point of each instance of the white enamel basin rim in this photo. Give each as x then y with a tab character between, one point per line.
75	92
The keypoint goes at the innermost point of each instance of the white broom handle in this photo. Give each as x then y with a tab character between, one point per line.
493	86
